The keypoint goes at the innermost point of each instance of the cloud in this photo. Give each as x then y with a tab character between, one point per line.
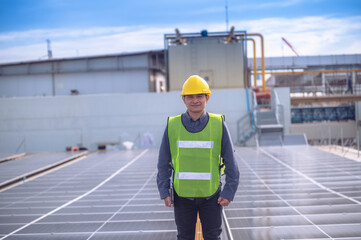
279	4
266	5
60	33
308	35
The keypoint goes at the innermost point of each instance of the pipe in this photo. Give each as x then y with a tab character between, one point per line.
254	61
328	98
262	56
314	71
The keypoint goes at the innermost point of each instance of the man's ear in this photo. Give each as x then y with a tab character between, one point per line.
183	97
207	98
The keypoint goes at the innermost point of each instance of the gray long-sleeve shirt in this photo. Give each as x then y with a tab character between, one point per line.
227	152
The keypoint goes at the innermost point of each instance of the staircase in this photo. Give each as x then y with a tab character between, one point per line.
270	130
263	125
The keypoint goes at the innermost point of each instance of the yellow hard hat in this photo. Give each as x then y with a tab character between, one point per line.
195	85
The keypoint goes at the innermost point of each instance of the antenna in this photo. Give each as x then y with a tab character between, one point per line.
226	6
50	53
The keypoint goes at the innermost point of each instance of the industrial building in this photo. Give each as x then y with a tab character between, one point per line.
275	109
119	73
52	90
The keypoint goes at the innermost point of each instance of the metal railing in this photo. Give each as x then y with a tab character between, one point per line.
347	144
248	125
245	128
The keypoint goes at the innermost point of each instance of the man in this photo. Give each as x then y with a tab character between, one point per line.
192	147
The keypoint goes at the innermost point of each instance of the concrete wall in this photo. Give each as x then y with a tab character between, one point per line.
326	130
332	129
52	123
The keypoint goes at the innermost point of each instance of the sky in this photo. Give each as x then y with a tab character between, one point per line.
88	27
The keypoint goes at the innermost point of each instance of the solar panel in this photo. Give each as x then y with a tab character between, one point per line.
23	167
296	192
107	195
293	192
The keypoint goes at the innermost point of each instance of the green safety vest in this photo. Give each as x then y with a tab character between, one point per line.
196	157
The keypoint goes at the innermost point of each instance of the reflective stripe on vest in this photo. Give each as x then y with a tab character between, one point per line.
194	176
196	157
195	144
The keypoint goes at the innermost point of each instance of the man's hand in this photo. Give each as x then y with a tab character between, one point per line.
168	202
223	202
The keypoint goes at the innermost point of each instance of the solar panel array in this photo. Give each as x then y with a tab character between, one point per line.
107	195
296	192
284	193
11	170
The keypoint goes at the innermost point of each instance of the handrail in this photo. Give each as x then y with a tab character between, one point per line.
245	119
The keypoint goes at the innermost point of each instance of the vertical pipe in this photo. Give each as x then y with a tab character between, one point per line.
53	79
354	83
254	61
262	56
248	106
323	83
167	81
342	138
358	143
357	123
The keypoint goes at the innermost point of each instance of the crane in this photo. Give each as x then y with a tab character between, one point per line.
289	44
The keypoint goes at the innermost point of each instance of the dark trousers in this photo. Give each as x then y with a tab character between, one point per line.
210	214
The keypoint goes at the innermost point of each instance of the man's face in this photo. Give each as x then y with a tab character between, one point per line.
195	103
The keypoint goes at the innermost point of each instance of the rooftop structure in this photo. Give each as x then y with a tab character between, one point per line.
118	73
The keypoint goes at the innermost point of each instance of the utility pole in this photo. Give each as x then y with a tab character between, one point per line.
226	6
50	53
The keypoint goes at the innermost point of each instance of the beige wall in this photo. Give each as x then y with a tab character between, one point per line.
222	64
326	130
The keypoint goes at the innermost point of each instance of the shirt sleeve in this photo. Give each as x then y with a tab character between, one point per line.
231	171
164	167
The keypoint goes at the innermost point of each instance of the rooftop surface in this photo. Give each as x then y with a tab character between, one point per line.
290	192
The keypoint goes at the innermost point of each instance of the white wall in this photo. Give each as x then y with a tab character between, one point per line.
285	101
52	123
